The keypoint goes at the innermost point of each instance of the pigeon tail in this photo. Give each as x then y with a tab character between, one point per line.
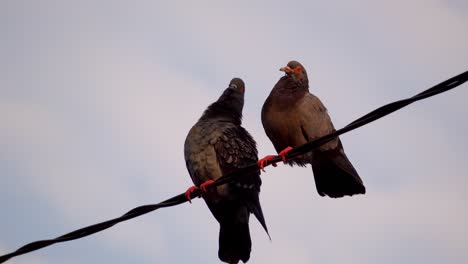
334	175
234	242
255	207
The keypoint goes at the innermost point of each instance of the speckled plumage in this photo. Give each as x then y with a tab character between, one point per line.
216	145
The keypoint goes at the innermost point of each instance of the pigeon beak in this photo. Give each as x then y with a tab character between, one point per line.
286	69
233	86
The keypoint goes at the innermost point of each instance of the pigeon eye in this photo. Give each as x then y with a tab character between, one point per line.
298	69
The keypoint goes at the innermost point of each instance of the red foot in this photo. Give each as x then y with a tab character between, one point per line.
261	163
189	192
203	188
205	185
284	152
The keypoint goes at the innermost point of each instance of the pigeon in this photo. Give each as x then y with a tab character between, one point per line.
216	145
292	116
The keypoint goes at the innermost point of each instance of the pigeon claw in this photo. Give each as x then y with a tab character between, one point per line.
284	152
205	185
263	162
189	192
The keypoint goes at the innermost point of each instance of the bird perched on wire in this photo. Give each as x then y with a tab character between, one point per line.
216	145
292	116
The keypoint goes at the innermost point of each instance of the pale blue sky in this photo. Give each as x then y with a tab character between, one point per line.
96	98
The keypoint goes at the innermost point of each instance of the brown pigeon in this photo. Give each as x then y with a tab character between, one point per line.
216	145
292	116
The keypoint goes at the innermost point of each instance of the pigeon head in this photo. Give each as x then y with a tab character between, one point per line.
230	103
237	85
297	72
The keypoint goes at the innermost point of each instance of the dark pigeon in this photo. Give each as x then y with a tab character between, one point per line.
216	145
292	116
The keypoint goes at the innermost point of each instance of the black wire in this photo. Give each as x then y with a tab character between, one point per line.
176	200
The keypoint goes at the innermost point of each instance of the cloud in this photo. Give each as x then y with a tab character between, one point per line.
98	100
79	182
28	259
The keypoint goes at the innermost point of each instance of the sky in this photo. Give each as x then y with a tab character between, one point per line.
97	97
